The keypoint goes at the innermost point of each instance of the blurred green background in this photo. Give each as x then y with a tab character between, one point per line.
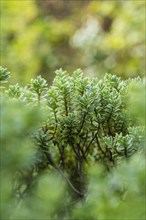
39	36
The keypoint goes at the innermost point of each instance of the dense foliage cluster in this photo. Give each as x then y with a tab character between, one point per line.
72	150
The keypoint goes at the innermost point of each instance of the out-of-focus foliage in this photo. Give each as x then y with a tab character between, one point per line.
119	195
41	36
113	37
136	99
57	142
4	75
17	148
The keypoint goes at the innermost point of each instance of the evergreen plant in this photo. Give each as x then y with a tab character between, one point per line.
86	122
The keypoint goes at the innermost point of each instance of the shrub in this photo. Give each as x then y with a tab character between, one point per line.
79	128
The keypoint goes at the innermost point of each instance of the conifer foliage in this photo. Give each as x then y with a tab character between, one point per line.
86	121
